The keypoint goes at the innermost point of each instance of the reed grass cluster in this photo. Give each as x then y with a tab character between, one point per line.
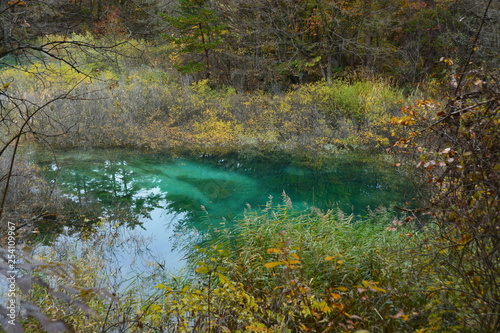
278	270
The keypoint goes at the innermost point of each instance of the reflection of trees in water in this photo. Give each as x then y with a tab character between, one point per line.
111	184
117	254
118	192
94	191
214	191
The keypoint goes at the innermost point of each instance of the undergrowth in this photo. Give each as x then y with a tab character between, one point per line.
278	270
283	270
119	100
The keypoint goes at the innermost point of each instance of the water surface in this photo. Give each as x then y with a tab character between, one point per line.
174	200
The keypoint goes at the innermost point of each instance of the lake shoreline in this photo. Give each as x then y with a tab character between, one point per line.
307	154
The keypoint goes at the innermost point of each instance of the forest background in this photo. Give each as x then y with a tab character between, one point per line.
310	78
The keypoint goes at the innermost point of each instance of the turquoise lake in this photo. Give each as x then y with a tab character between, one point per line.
170	202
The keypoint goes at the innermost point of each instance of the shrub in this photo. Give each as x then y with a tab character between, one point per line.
128	103
301	271
457	147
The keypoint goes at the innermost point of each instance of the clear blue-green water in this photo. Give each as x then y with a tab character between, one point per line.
173	200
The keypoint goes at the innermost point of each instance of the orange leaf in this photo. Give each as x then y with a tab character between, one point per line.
273	250
336	296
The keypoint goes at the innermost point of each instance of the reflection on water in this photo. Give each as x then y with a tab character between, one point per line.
172	200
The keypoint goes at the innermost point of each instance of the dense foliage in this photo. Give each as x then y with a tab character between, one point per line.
147	109
302	76
292	270
458	151
271	45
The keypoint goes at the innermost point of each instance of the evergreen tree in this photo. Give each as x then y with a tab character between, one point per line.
197	31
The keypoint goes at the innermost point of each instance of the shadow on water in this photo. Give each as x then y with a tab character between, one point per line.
172	200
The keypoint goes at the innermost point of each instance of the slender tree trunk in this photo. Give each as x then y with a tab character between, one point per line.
206	51
367	61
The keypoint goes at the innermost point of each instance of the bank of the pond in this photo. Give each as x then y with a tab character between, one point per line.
142	109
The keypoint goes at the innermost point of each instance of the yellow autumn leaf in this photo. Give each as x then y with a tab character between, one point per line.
202	270
155	308
223	279
273	264
328	258
293	262
378	289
